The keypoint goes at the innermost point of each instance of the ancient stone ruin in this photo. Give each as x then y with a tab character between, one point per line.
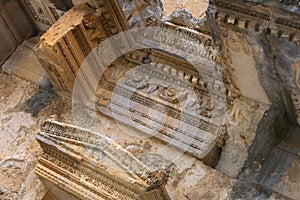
163	106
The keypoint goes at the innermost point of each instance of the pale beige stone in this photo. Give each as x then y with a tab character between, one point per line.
289	184
244	66
241	124
25	64
196	7
18	148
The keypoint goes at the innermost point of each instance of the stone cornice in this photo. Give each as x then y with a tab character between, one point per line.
79	162
277	19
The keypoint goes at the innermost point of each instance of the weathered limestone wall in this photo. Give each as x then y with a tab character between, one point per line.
241	123
261	41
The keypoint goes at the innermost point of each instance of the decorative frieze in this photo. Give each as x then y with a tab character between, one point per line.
156	90
162	102
183	39
70	41
257	17
64	47
192	100
43	12
87	165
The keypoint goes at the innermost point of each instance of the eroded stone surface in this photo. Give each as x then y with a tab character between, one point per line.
143	148
196	7
24	63
259	53
273	50
19	150
241	129
108	170
240	57
69	59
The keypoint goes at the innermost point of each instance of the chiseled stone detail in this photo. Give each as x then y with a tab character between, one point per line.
252	43
275	19
259	17
66	44
88	165
140	11
64	47
186	39
178	109
44	13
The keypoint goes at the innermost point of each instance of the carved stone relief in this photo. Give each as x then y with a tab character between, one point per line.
254	19
165	105
43	12
87	165
65	46
203	116
170	99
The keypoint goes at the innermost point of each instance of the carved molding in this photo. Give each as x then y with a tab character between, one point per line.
72	38
43	12
66	45
199	44
88	165
185	111
256	18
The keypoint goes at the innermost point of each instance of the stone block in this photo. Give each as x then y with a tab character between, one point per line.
25	64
